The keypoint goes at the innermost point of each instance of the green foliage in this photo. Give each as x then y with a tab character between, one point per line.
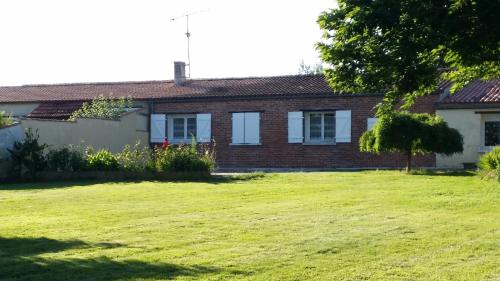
5	120
411	134
102	160
489	164
470	36
103	107
65	160
184	158
400	47
27	156
135	159
28	159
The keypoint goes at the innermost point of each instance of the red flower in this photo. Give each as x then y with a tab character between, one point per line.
165	144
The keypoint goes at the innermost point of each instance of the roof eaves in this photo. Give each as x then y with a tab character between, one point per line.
468	105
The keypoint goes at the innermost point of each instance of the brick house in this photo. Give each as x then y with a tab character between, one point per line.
260	122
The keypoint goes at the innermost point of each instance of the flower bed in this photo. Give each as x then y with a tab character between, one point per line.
31	161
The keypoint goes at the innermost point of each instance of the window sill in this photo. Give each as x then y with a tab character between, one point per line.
485	149
245	144
319	143
180	141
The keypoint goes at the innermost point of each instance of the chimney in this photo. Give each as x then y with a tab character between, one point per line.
179	72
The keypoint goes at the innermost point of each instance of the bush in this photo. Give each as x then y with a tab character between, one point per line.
102	160
103	107
27	156
135	159
489	164
5	120
184	158
411	134
65	159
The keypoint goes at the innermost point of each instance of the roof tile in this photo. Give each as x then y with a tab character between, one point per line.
244	87
476	92
55	110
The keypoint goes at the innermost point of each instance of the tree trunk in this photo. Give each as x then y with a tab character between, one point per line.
408	162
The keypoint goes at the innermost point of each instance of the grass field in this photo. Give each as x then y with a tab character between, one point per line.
298	226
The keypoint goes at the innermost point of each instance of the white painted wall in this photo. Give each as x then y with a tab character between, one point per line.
8	136
18	109
98	133
470	124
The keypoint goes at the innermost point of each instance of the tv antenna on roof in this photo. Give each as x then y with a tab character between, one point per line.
188	36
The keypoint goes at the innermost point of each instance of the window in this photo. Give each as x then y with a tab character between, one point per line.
181	128
246	128
320	127
492	133
370	123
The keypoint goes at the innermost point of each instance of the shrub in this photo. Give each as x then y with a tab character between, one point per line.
102	160
489	164
134	159
65	159
184	158
103	107
411	134
27	156
5	120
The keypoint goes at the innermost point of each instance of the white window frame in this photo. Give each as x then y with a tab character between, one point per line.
244	130
170	128
494	117
307	127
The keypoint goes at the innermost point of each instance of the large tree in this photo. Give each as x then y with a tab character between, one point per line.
470	39
402	47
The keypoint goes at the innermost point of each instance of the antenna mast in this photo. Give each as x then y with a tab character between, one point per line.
188	36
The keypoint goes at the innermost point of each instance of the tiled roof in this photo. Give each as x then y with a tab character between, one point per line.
196	88
476	92
55	110
276	86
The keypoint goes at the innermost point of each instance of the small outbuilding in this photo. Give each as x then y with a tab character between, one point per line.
475	112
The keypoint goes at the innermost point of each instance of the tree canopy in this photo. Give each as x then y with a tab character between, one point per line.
307	69
411	134
401	48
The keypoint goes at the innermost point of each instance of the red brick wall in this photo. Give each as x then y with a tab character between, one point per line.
275	151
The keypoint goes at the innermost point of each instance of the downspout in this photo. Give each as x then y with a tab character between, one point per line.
151	107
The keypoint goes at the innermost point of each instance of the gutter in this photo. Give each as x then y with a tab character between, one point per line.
468	105
150	108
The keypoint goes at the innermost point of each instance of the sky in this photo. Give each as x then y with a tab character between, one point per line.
61	41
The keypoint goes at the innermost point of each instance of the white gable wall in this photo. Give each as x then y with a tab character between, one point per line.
471	125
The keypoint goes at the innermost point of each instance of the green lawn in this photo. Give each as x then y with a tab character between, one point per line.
298	226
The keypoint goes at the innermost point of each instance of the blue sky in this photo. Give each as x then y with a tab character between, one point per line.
60	41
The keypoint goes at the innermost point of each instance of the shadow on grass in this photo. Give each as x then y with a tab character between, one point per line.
20	260
449	173
215	179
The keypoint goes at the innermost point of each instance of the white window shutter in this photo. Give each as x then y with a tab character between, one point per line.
238	128
157	130
343	126
370	122
295	127
203	127
252	127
